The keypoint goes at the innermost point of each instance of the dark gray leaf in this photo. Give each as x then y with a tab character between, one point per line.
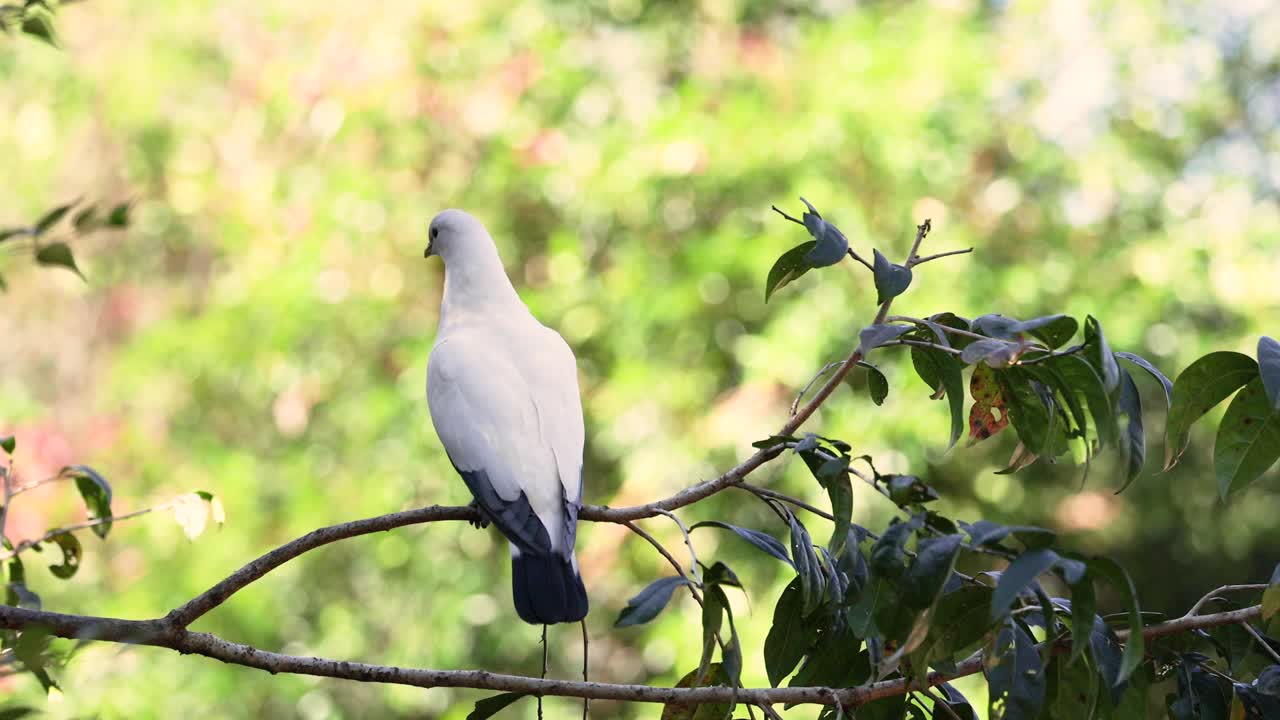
763	541
873	336
1165	382
877	383
1100	354
831	243
96	492
650	601
1020	577
1133	443
1016	680
891	279
1269	367
789	638
491	706
929	570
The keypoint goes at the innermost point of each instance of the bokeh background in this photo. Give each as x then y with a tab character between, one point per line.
261	330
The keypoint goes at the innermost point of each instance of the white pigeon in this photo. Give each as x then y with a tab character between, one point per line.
503	394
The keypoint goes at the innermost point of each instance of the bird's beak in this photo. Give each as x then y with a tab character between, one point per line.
430	249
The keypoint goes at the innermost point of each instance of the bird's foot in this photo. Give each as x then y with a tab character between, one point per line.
481	521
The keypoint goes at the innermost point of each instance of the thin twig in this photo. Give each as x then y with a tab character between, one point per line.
586	702
949	253
544	668
693	587
39	483
938	702
921	344
800	396
765	492
785	215
944	328
1195	609
1266	646
50	535
693	555
858	257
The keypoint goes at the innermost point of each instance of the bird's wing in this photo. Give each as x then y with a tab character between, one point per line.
485	414
553	377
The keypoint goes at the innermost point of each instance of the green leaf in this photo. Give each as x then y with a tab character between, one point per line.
714	606
715	675
1207	382
96	492
787	268
58	255
1133	650
840	490
1074	690
789	637
1141	362
765	542
1133	444
32	647
889	552
71	554
928	572
1248	440
50	219
1084	606
492	705
17	712
1269	368
1271	596
86	219
877	383
1084	380
1015	678
1019	577
1054	331
9	444
834	661
119	216
1100	355
39	24
1032	420
891	279
907	490
721	574
960	620
942	372
650	601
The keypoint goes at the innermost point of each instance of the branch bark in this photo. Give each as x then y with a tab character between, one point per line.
165	633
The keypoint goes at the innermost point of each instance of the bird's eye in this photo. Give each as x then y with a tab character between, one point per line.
435	232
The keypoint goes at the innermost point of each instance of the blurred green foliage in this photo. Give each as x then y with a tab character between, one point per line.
261	331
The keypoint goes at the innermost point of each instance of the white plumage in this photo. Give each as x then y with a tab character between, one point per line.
503	394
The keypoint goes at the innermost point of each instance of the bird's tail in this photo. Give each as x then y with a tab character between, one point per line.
547	588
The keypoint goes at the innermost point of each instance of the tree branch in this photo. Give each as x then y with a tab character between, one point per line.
167	634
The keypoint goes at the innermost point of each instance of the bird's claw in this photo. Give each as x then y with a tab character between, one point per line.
480	521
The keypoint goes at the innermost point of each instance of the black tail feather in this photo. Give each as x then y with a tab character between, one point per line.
547	589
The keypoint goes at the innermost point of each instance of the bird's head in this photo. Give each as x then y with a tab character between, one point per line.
454	232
